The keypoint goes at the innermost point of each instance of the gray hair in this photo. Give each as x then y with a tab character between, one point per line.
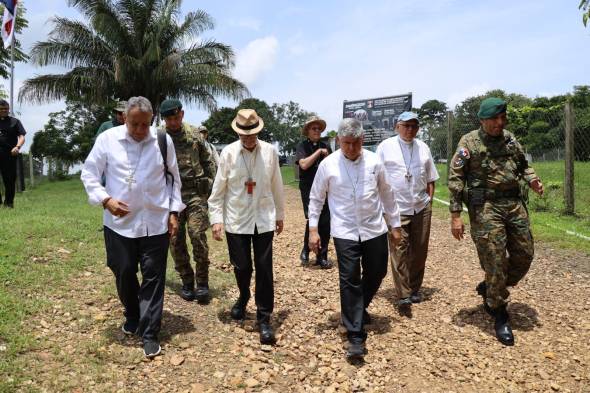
350	127
143	104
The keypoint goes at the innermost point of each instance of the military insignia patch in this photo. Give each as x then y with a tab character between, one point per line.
463	152
459	163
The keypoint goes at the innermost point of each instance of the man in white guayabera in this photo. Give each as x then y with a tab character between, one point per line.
412	174
141	201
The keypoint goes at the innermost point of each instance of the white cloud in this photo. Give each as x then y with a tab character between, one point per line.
256	59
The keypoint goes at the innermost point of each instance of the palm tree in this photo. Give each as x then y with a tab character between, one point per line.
130	48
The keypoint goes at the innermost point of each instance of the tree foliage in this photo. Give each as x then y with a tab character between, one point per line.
19	55
68	136
585	7
133	47
290	118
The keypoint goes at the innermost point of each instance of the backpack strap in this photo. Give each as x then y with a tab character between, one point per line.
164	150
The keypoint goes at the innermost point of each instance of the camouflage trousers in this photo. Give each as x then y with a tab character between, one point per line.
195	219
501	233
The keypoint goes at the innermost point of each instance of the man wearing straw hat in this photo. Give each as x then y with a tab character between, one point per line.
308	156
247	203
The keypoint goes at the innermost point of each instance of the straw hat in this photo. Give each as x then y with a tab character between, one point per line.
311	120
247	122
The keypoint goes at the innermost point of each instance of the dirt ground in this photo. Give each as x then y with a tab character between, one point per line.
446	345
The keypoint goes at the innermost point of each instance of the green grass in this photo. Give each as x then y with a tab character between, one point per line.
51	234
548	221
288	174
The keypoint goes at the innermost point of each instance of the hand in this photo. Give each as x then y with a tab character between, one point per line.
279	227
537	186
117	208
217	230
323	152
15	150
314	241
173	225
457	227
396	236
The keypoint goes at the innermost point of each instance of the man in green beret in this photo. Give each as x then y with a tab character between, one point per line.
485	173
117	120
197	172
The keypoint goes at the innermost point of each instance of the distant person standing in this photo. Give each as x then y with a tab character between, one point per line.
12	138
308	155
247	203
117	120
141	208
197	171
485	173
205	134
412	174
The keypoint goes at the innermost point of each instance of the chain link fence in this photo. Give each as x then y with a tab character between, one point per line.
557	145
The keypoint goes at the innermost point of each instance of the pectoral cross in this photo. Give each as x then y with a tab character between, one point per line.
130	180
250	185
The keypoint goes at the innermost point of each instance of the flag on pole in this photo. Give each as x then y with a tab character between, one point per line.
8	21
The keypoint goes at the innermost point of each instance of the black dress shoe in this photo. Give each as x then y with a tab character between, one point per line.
267	336
202	293
324	264
356	351
416	297
304	257
187	292
238	311
502	327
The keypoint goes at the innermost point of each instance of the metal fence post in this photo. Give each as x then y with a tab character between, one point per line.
31	170
569	160
450	147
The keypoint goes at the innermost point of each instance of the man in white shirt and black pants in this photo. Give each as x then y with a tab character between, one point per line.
140	213
247	201
412	174
362	211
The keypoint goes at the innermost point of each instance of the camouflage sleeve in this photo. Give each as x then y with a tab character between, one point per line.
206	159
456	179
527	172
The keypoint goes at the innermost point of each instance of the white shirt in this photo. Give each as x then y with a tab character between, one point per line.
231	204
359	197
150	199
411	194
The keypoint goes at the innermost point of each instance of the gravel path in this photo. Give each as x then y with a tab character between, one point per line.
447	345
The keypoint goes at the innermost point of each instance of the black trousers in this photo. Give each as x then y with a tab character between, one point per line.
8	171
240	255
358	289
143	303
323	225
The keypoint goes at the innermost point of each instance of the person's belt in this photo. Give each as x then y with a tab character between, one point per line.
490	194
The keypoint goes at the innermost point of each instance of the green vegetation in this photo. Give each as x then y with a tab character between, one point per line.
288	173
548	221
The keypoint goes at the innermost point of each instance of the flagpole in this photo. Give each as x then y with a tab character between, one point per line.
12	74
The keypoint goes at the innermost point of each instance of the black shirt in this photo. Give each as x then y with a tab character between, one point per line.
304	150
10	129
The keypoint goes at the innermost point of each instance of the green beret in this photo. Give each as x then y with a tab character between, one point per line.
491	107
170	107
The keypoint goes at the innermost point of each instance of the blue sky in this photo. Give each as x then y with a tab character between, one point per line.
319	53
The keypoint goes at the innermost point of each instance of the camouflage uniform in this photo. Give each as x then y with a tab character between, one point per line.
197	171
485	173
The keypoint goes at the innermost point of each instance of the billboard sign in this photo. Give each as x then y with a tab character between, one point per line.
378	115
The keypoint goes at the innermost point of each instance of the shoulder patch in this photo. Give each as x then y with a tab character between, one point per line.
459	163
463	152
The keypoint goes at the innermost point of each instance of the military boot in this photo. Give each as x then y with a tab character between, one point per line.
502	326
187	292
202	293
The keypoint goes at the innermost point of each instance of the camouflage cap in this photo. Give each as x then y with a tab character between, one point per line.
170	107
121	106
202	128
491	107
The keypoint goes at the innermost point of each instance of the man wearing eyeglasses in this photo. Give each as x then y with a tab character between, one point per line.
411	171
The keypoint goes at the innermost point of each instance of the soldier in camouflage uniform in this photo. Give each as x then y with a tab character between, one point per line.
197	172
486	172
